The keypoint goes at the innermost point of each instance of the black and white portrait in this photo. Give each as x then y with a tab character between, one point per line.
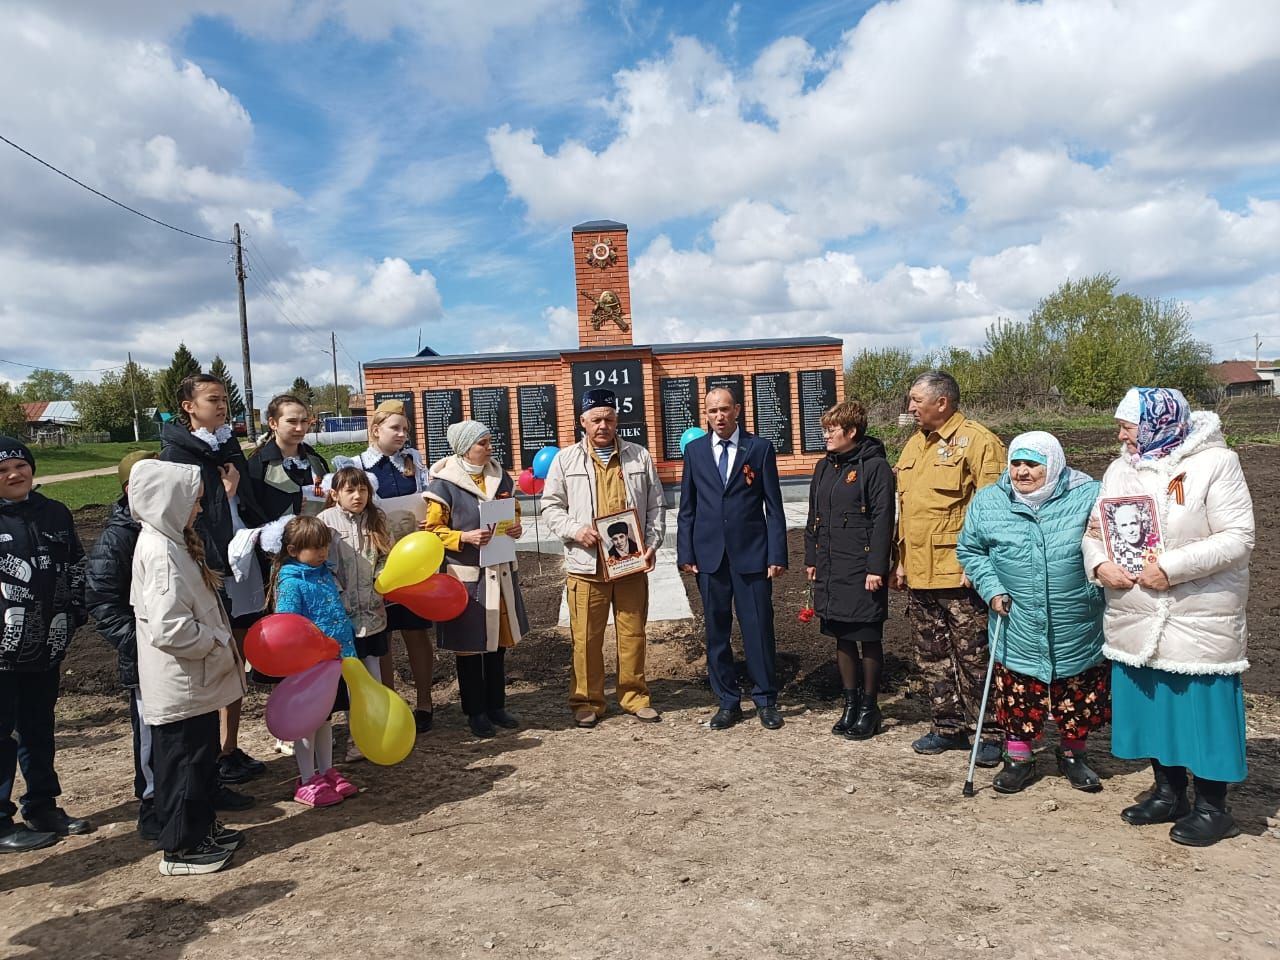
1131	532
621	544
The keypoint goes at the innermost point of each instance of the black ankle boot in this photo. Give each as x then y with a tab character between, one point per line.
495	690
472	693
1210	819
852	699
1075	767
1168	800
867	723
1016	776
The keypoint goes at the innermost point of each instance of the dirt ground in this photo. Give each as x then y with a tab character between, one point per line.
634	840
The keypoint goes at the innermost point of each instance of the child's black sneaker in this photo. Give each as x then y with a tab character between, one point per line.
206	858
225	837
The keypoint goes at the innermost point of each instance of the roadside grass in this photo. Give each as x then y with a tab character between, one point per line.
87	491
85	456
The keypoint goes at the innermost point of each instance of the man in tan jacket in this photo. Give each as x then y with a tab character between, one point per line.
597	477
941	467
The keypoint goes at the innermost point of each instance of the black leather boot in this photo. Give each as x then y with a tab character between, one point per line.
1210	819
852	699
1168	800
867	723
1075	767
1016	776
472	693
495	689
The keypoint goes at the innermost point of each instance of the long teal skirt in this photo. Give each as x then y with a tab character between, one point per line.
1195	722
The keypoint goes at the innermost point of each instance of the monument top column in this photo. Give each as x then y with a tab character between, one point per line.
603	285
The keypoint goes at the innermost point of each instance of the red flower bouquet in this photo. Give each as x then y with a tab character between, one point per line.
807	613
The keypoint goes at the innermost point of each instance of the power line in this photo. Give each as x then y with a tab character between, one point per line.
257	255
99	193
277	305
34	366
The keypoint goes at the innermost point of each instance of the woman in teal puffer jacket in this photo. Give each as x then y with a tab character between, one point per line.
1021	548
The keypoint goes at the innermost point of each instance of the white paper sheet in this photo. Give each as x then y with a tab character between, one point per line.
497	515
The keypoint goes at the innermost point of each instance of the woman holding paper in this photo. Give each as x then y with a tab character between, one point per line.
460	489
1176	630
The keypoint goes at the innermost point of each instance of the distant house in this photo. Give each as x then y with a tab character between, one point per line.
51	421
1239	378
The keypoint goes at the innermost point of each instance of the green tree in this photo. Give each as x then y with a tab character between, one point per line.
183	365
325	402
883	376
46	385
235	402
13	421
108	405
302	390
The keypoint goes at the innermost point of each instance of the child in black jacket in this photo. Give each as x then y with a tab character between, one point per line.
41	605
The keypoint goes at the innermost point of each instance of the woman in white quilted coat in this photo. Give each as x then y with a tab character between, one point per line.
1175	630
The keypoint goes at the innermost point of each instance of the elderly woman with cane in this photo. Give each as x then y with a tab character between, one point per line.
1175	631
1021	548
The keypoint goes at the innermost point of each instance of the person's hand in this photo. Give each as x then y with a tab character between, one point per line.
514	530
230	479
422	524
1153	577
1001	603
899	580
1094	529
689	568
1115	577
874	582
477	538
587	535
776	570
965	581
650	559
811	573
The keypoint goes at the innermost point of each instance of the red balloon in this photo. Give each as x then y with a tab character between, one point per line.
287	643
530	484
439	597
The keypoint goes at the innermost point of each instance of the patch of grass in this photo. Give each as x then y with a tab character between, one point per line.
87	491
86	456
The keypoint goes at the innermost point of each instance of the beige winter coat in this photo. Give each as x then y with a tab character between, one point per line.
1198	625
356	565
569	499
187	661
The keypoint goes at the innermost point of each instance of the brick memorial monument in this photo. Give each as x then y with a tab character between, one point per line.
527	398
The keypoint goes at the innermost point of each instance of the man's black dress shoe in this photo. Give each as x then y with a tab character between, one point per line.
56	821
725	718
20	839
770	718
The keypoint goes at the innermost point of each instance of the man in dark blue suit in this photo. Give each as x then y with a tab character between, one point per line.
732	534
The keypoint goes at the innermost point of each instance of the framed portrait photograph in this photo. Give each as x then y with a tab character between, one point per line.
1131	531
621	544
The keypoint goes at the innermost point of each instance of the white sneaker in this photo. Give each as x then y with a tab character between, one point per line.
353	753
284	747
206	858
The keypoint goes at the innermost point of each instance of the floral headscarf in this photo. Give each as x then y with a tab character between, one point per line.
1163	418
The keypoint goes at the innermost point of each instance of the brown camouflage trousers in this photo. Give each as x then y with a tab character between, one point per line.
949	628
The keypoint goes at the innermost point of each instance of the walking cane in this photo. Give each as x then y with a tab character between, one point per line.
982	710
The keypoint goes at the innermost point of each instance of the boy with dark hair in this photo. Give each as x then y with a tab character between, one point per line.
41	605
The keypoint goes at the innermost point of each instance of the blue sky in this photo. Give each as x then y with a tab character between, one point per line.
891	173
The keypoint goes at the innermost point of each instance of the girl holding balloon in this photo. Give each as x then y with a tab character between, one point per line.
302	583
398	471
494	618
362	540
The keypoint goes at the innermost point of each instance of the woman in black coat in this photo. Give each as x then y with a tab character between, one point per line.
847	545
285	464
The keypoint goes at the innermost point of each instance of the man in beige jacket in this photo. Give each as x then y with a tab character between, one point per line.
600	476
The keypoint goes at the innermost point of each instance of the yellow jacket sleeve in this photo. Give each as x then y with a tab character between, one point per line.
437	522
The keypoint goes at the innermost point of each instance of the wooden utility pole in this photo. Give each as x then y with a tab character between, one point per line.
333	352
1257	350
134	394
250	420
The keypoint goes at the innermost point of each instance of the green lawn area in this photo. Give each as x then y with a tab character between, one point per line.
81	493
85	456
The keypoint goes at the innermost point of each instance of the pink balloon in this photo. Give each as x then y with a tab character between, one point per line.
301	703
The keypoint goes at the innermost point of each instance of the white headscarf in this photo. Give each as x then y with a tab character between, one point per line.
1046	447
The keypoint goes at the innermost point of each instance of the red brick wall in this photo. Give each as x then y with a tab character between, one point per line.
701	364
595	281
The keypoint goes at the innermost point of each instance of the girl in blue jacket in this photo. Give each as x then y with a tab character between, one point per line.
302	583
1021	548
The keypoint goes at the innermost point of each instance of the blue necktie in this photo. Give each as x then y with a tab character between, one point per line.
724	462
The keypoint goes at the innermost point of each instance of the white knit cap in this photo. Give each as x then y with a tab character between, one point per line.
464	435
1130	408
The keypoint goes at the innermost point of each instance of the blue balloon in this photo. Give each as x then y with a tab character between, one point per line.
542	461
693	433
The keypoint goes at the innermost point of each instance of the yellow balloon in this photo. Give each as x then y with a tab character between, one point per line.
411	560
381	722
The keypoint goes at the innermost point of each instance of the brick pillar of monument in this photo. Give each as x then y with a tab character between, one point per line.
603	288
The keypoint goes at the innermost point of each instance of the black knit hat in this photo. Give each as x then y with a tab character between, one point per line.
11	448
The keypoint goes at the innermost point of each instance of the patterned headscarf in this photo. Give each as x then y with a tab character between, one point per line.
1163	419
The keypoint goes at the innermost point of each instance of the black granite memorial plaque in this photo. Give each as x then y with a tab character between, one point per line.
817	394
626	379
681	408
492	407
771	408
536	408
440	409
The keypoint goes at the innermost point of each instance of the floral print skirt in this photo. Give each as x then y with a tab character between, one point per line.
1078	704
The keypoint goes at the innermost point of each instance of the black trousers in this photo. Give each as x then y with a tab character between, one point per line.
750	595
482	682
26	708
184	759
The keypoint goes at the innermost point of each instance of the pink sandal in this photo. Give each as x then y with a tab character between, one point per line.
340	784
316	792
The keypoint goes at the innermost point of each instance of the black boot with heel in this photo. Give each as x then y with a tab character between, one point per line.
1168	800
852	700
1210	819
471	690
